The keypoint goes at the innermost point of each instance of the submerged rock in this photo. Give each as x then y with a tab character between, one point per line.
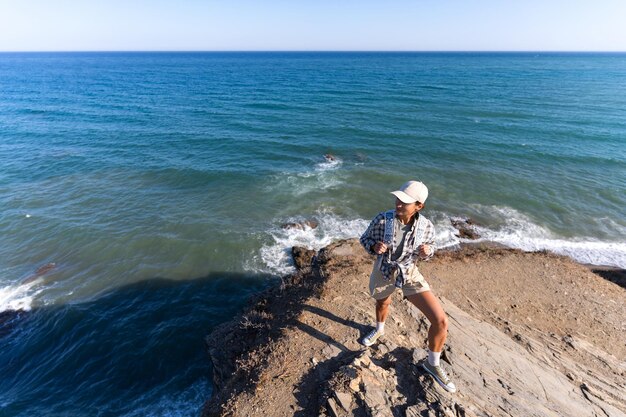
465	228
40	272
303	225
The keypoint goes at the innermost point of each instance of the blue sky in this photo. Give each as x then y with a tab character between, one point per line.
419	25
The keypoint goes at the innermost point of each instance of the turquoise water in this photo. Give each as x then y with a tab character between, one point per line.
158	183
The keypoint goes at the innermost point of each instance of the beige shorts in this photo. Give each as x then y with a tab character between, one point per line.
381	288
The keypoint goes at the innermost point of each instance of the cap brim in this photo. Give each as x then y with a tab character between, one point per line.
404	197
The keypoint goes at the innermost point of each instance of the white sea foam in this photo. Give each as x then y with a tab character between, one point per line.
329	164
514	230
445	233
276	255
324	175
518	231
18	297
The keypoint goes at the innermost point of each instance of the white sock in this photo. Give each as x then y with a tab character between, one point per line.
380	326
433	358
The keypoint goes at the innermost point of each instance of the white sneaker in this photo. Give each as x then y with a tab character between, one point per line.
372	337
440	376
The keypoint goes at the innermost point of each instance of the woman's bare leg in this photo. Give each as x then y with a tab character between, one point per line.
430	306
382	309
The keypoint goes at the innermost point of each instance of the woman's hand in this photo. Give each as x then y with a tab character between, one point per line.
425	250
380	248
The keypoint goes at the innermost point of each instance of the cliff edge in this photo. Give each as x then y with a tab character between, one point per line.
531	334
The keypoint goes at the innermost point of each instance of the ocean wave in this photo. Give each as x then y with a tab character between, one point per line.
276	255
445	233
515	230
324	175
19	297
519	231
187	403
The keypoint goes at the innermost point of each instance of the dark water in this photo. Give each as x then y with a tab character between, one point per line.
158	183
136	350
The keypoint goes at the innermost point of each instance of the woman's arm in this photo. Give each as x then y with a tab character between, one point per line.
427	248
374	233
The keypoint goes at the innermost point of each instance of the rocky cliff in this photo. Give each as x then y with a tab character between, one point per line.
531	334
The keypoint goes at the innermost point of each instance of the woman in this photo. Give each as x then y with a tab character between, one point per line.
400	238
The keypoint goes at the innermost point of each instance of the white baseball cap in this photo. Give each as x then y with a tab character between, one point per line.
411	192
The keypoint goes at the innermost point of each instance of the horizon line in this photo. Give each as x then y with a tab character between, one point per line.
314	51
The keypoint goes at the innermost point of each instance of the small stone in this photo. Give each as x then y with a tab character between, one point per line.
355	385
570	341
344	399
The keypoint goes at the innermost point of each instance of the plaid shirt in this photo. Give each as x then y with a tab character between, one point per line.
410	252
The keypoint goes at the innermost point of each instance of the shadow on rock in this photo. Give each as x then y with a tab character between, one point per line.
239	349
615	275
316	387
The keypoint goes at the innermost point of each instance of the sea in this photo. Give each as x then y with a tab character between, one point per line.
151	191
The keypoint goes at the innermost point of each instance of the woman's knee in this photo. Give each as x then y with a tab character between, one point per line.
440	322
384	302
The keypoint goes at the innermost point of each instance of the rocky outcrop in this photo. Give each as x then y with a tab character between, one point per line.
496	375
465	228
296	351
302	257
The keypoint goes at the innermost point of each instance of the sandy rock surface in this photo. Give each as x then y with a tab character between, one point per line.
531	334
